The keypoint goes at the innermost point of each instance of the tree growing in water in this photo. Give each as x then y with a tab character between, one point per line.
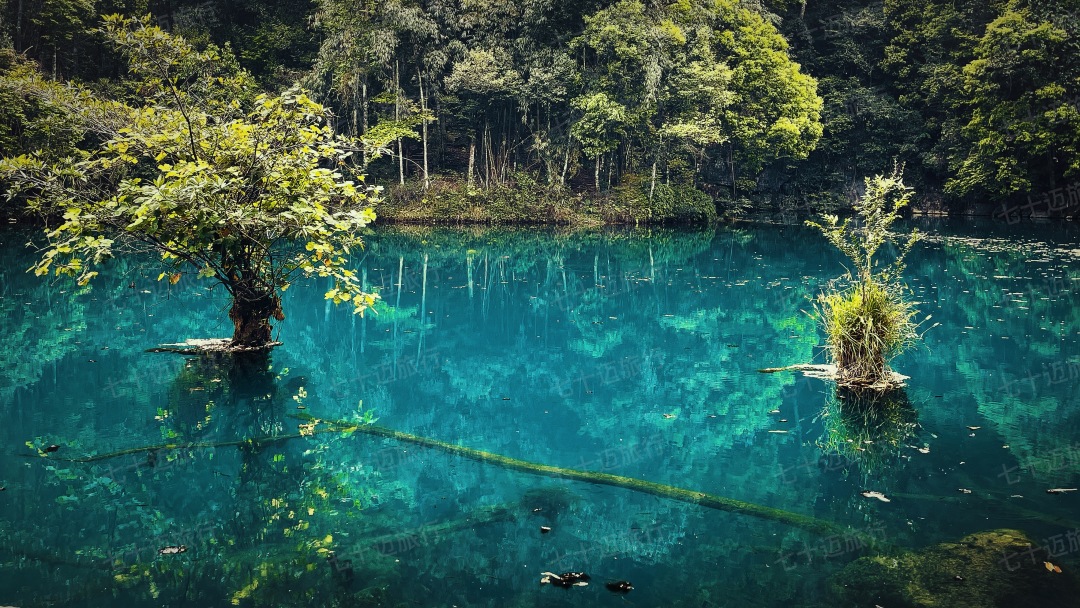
248	190
870	321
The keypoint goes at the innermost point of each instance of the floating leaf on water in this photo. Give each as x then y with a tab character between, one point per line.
875	494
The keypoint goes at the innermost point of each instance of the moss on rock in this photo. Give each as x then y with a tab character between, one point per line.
1000	568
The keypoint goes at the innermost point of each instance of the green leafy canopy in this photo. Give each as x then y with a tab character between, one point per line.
251	190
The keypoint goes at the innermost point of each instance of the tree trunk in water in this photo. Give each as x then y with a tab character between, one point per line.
251	311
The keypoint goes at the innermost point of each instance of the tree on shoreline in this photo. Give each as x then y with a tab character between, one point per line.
249	190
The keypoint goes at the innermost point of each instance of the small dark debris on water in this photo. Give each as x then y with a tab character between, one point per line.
52	448
619	587
565	580
173	550
545	529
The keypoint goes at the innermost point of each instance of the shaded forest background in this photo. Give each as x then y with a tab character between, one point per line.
755	105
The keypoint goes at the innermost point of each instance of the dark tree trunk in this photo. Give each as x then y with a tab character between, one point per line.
251	312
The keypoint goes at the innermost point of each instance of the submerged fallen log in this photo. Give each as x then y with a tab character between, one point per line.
198	445
829	372
731	505
712	501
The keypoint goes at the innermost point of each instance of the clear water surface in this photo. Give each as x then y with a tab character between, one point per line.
633	353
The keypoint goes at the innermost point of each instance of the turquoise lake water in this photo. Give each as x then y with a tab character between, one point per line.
633	353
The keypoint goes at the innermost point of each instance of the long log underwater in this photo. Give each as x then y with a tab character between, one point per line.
808	523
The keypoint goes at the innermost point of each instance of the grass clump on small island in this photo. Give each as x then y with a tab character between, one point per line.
867	320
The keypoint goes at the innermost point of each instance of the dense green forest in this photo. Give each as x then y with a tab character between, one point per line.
638	110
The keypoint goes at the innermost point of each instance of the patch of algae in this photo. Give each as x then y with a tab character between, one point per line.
996	568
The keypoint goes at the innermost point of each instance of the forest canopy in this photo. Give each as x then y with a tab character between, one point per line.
760	104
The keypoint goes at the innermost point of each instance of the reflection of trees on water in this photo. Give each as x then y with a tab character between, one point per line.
40	325
1007	354
556	379
693	321
258	520
867	428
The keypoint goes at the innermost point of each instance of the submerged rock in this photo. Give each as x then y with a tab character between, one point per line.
998	568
